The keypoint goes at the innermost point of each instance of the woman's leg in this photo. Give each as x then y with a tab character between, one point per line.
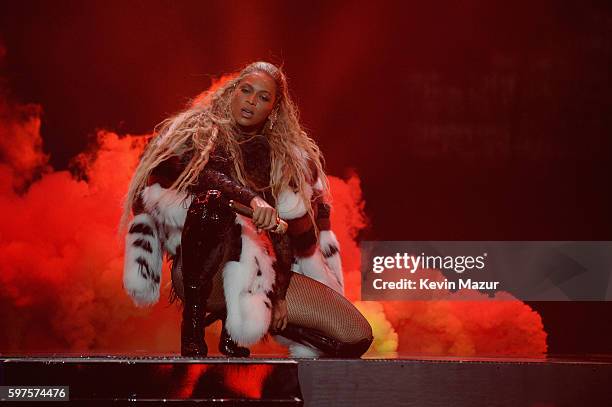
319	316
203	248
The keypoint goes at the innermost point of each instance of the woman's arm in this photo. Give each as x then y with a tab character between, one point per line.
212	176
230	189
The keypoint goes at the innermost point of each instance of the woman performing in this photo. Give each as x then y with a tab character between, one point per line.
241	145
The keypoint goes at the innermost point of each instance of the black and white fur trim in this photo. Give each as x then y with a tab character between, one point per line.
169	209
246	285
143	260
290	204
316	267
157	229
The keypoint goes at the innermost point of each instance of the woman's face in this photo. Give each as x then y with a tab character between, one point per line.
253	100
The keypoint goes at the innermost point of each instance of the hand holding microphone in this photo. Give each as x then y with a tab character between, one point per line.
264	216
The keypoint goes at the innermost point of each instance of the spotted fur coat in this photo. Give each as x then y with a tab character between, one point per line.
157	230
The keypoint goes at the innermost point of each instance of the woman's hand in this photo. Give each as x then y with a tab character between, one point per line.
264	216
279	315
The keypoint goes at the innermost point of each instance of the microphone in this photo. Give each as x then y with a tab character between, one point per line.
281	225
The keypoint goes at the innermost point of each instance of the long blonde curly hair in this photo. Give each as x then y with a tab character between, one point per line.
208	124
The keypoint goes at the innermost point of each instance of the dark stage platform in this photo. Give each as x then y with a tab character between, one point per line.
101	380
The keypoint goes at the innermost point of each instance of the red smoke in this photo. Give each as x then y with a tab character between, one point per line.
454	328
61	274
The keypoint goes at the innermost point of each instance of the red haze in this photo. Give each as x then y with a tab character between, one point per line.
61	274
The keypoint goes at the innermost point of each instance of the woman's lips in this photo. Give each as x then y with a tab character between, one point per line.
247	114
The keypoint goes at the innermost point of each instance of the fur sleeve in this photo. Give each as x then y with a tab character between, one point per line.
157	229
143	261
323	263
169	209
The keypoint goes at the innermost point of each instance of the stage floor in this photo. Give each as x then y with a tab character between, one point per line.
417	380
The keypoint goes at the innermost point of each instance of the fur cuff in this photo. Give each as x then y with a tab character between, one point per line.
143	261
316	267
324	265
290	204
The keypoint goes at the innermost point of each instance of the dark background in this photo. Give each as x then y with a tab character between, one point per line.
472	120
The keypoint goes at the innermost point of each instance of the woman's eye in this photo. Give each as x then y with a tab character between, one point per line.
244	90
264	98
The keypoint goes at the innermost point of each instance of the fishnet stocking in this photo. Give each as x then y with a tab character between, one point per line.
313	305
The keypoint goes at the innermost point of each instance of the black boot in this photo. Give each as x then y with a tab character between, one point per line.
202	247
331	347
228	347
192	326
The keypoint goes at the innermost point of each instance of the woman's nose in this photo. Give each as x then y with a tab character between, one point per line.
251	100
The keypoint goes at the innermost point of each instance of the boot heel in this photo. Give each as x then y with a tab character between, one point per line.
228	347
192	326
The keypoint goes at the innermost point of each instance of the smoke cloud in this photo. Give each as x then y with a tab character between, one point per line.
61	274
